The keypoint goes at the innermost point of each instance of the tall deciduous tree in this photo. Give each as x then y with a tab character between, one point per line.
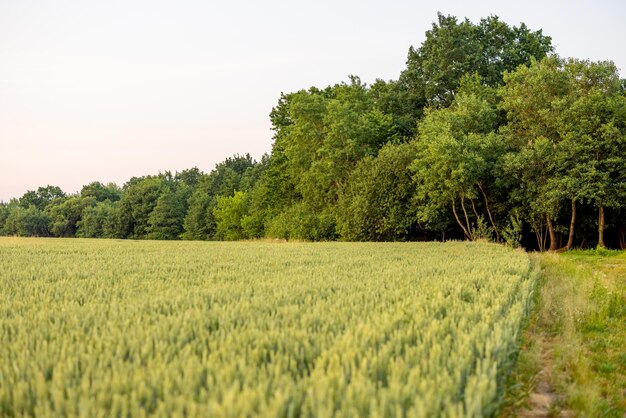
166	219
533	98
321	135
457	147
593	125
454	48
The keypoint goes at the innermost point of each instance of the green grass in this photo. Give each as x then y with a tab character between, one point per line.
577	335
130	329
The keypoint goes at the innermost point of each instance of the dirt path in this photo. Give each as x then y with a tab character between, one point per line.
573	353
542	400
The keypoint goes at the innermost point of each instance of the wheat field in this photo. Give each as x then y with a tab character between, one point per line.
100	328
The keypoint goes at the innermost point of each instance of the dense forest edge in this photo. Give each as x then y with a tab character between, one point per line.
486	134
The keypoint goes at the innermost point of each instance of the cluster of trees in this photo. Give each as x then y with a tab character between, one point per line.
487	134
186	205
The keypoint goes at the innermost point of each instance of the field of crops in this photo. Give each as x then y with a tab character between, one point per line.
121	328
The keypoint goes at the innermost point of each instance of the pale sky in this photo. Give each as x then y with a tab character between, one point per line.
107	90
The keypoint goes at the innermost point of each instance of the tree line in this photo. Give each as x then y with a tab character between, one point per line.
486	134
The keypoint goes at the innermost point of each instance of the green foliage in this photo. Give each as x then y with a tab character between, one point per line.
321	135
453	49
167	217
235	173
257	329
566	121
229	213
512	232
100	192
138	200
190	177
593	126
535	194
538	165
393	98
457	154
377	204
64	217
4	214
482	230
26	222
99	221
301	222
42	197
198	223
271	195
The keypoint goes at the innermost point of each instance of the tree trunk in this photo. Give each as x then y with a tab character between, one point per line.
474	209
539	241
493	223
601	227
570	239
467	222
540	235
622	239
553	243
456	216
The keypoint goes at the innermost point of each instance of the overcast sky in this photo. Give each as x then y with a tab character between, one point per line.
107	90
